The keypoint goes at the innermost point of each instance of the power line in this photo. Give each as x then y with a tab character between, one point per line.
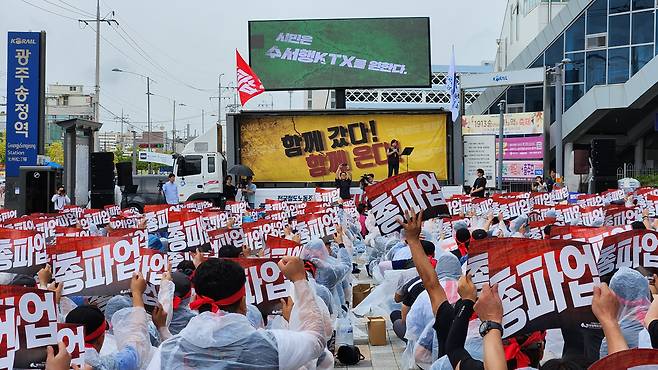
125	121
49	11
64	8
88	14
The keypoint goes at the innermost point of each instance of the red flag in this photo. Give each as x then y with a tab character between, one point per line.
249	84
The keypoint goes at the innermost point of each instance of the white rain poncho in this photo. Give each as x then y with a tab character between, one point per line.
255	317
632	290
421	337
330	271
228	341
130	333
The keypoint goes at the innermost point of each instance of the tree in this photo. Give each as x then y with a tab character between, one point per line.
3	146
55	151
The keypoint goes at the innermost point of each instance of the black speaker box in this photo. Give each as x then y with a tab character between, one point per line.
101	198
102	171
124	173
604	160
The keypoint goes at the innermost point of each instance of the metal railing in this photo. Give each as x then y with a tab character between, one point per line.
629	170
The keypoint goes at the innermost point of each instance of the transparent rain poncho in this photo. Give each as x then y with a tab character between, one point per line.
132	341
421	338
474	345
632	290
220	341
255	317
330	270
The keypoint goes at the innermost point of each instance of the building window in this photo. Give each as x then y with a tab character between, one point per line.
515	95
619	6
617	65
571	95
595	64
555	52
211	164
575	71
619	33
539	62
640	55
575	35
642	4
65	100
597	17
534	99
642	31
72	88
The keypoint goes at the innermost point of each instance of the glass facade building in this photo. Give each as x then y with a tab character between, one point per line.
608	43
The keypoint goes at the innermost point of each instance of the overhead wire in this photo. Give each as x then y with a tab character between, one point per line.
49	11
88	14
64	8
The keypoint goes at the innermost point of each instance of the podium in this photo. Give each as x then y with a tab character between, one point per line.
407	152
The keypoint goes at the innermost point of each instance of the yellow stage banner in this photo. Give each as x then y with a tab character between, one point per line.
309	148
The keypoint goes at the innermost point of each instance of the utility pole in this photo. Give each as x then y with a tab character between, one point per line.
122	122
219	99
134	152
97	87
148	114
203	116
290	106
187	133
173	130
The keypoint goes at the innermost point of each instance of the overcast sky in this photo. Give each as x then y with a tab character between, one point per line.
186	44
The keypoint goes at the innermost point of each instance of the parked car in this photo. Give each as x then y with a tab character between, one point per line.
147	189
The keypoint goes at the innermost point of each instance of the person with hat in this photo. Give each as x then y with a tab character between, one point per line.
221	336
130	332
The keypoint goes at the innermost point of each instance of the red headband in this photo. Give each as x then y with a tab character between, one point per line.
96	333
215	304
178	300
514	350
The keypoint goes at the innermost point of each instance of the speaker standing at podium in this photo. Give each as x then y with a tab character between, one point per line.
393	156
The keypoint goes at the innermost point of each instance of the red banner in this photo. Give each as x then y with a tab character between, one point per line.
236	208
634	359
622	215
635	248
411	191
213	220
226	237
6	214
542	283
279	247
141	234
327	195
19	223
157	217
590	200
186	232
265	284
256	233
315	226
103	265
22	251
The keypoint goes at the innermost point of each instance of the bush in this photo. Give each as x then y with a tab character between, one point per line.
648	180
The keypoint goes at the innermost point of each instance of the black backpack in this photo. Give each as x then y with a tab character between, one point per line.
349	355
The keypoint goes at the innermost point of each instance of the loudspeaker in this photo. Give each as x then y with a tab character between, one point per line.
604	160
101	198
124	173
581	161
102	170
603	183
40	186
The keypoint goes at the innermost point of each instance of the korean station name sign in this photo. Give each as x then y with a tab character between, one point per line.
23	82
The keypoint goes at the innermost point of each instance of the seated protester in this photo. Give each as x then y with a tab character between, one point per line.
519	227
638	225
463	239
320	290
632	290
222	337
428	248
479	234
446	266
130	332
181	310
331	271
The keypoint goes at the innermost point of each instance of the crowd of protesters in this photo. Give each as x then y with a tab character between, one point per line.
422	285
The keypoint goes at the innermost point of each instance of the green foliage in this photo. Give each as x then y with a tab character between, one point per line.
3	147
55	151
648	180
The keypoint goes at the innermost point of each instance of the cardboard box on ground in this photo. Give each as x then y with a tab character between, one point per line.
377	331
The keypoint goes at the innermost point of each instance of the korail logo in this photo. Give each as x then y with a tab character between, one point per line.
499	78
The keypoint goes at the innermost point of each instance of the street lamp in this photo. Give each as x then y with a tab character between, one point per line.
148	106
558	72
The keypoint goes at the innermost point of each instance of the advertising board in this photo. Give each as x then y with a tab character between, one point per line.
479	152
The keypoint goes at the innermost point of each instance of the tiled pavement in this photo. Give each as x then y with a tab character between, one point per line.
388	357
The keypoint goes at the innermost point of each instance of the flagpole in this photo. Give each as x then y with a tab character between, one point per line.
456	108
